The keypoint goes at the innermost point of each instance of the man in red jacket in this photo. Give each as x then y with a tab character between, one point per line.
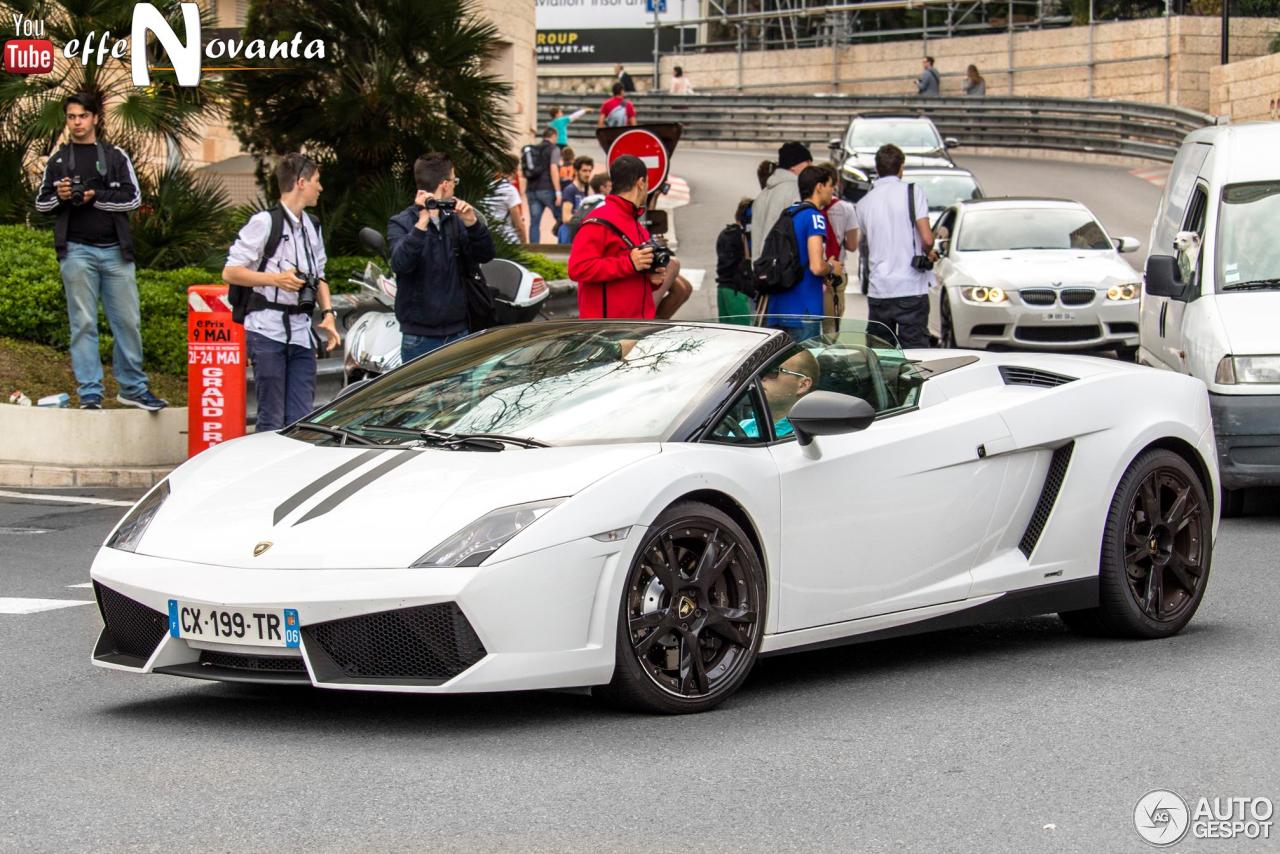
609	259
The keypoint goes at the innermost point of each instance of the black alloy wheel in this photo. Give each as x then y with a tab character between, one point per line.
692	614
1156	551
948	326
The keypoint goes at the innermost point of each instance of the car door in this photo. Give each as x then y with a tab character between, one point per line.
889	518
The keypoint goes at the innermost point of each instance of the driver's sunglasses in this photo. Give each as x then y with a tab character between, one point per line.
773	374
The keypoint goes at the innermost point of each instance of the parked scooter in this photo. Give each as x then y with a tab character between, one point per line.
372	345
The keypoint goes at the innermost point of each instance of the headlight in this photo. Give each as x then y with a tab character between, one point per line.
1247	369
993	296
1121	293
474	543
134	525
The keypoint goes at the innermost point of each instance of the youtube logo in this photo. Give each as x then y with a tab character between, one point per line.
28	56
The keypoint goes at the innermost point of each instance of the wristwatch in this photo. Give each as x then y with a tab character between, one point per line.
330	310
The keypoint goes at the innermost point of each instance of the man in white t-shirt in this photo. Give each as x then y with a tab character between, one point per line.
897	290
505	211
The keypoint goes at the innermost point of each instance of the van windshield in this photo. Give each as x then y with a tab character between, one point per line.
1248	253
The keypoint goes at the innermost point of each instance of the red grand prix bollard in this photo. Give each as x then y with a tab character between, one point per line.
215	369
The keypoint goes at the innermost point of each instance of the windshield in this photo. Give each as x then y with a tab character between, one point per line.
1247	250
997	229
910	135
943	191
570	383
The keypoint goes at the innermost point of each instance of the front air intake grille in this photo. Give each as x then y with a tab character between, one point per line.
1077	296
1014	375
1038	296
1048	497
1057	334
134	629
430	643
253	663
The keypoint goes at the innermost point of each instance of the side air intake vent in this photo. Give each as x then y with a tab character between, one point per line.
133	629
1048	497
1013	375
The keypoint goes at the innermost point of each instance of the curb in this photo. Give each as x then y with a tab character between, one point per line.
27	474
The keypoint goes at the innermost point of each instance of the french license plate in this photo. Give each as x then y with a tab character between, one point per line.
1059	316
266	627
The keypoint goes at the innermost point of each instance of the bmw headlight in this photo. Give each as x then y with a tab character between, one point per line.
1248	369
1122	293
129	533
474	543
989	296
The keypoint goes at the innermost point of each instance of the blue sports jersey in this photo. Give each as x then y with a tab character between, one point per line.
806	297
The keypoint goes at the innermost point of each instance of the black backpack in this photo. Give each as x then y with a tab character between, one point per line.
733	264
535	160
778	269
242	299
575	222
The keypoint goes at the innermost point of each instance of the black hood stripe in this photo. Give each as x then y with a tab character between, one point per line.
295	501
355	486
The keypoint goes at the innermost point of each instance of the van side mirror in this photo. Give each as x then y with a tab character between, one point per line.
829	413
1164	279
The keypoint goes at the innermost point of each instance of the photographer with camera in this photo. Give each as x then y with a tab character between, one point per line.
897	261
276	270
620	270
435	242
90	186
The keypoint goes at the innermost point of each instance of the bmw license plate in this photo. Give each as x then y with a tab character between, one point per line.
1059	316
248	626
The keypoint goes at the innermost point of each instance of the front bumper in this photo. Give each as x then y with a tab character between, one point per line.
542	620
1099	326
1247	428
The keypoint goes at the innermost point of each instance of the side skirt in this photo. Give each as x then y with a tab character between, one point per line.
1074	595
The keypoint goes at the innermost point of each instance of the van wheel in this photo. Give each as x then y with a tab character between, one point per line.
1232	503
1127	354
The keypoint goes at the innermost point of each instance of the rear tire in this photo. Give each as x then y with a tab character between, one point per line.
692	614
1156	551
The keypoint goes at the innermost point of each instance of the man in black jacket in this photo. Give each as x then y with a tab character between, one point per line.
90	186
433	243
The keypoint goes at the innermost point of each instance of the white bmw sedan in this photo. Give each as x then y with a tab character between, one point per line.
1033	273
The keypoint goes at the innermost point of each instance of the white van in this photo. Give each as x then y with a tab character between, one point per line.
1211	299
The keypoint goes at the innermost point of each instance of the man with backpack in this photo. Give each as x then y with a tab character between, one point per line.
780	192
928	84
89	187
276	272
793	266
735	286
540	165
617	111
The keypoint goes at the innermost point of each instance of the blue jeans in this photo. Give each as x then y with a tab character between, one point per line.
539	199
413	346
90	273
284	377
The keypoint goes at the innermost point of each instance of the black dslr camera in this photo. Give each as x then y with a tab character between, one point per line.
77	190
922	263
441	204
307	293
661	254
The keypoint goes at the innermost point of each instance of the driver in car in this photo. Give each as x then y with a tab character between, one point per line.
783	386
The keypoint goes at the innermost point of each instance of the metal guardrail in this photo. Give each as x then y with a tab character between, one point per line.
1124	128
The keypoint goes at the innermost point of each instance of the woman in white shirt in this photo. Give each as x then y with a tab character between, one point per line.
680	83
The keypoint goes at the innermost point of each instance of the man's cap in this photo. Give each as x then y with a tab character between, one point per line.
793	154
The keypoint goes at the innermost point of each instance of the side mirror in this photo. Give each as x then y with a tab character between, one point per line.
1128	244
835	144
1164	279
374	242
828	413
951	142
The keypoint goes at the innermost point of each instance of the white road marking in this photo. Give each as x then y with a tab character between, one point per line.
86	584
34	606
69	499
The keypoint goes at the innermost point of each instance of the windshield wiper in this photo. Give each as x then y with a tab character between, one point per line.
1253	285
463	438
336	432
486	441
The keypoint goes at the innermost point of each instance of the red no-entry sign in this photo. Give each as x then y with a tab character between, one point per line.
644	144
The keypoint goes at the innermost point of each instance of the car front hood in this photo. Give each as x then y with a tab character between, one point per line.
354	507
1044	268
1248	317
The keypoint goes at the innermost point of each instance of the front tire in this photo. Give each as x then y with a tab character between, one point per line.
948	330
1156	551
692	614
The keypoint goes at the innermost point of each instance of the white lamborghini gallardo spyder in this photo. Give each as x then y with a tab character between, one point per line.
644	508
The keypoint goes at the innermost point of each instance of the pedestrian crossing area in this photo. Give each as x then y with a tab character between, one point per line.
35	605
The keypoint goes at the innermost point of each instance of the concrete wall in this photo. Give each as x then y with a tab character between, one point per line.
1247	91
1155	60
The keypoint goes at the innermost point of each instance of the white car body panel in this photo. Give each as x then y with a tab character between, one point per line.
905	521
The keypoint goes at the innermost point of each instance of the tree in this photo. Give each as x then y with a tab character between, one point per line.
399	78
